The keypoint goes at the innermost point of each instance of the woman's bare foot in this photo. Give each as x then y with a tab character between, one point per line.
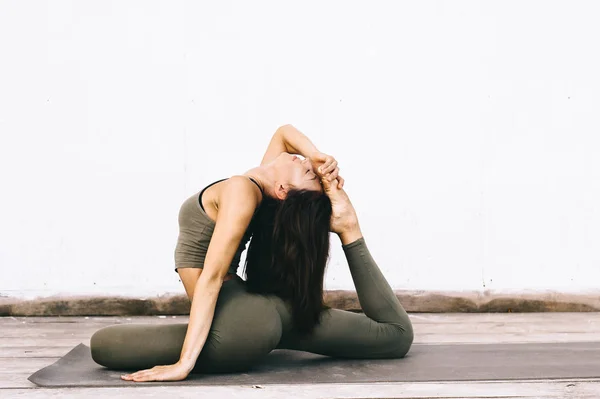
344	221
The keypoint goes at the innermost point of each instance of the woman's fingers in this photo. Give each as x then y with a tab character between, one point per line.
334	168
328	166
143	376
323	160
337	181
333	175
321	169
129	376
137	375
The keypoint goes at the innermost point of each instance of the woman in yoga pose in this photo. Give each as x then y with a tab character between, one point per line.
288	206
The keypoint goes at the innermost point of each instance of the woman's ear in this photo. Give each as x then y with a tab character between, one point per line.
281	191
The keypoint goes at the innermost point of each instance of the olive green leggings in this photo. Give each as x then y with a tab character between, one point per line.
246	327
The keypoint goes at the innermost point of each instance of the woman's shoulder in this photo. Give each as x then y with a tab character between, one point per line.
235	189
239	182
242	187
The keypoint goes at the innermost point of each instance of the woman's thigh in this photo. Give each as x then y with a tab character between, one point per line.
245	328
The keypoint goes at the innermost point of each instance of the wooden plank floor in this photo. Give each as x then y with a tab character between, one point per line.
30	343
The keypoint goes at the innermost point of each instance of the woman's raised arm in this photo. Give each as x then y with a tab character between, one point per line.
288	139
291	140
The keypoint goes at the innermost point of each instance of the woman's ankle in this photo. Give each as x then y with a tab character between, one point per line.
350	234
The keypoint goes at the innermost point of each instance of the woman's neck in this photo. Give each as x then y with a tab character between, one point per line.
266	177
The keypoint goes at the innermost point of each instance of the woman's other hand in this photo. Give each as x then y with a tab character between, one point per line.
173	372
326	167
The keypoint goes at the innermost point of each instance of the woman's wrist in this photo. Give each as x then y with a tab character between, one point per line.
187	365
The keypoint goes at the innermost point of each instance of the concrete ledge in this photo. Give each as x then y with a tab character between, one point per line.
413	301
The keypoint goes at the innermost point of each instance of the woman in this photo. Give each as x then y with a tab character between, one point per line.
289	206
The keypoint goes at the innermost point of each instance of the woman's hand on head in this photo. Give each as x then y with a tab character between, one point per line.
326	167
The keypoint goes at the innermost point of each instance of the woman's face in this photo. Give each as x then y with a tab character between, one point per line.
298	173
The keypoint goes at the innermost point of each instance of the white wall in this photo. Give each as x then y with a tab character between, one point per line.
467	132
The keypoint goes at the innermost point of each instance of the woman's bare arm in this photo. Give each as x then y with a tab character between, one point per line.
291	140
288	139
237	203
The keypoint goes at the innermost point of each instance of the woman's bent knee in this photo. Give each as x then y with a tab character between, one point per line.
94	349
101	345
403	339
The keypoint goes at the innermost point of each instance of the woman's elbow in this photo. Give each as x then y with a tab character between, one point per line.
209	281
284	126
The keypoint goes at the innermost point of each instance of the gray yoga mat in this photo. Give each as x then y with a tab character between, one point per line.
423	363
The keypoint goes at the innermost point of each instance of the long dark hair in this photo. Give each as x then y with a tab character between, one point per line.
288	253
